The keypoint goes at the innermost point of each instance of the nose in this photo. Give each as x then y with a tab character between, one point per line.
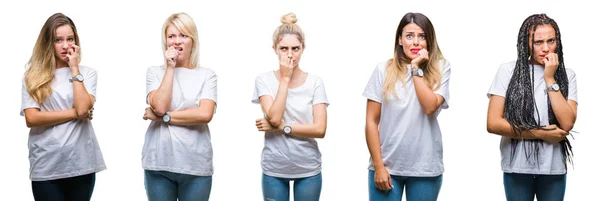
65	45
416	41
545	47
289	52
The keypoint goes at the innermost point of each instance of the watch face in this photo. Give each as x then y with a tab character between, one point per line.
555	87
166	118
79	77
287	129
420	73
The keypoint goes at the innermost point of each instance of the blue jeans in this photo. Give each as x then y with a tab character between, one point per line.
77	188
417	188
522	187
168	186
278	189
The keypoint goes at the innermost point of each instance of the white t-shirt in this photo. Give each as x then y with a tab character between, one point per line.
550	156
411	141
288	156
181	149
65	150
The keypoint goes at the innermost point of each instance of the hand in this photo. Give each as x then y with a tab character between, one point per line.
73	56
171	56
550	65
286	66
149	114
383	180
90	115
550	133
263	125
423	56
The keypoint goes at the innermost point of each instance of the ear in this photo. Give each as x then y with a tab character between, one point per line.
274	49
400	41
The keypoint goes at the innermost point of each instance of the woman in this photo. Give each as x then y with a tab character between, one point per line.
405	94
295	107
177	155
58	97
533	106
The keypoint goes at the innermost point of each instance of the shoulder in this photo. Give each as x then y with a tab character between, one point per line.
570	73
86	69
205	70
156	68
381	66
508	66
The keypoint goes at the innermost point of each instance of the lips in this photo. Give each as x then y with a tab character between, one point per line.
415	50
179	48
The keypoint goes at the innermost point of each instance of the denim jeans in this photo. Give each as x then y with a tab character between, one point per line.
278	189
523	187
417	188
168	186
77	188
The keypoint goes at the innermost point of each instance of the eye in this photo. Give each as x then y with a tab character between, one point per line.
409	36
184	36
283	48
421	37
551	41
295	48
537	42
70	39
58	40
170	36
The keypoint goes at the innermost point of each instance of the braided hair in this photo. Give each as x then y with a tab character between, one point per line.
520	106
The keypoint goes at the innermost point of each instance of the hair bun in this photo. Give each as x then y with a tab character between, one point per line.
289	18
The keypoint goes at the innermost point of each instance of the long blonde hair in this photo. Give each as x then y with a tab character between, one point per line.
397	66
185	24
43	61
288	26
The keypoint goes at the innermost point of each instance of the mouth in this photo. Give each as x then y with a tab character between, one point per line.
415	50
179	48
543	56
63	54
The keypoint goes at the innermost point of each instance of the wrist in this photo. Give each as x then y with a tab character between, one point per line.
549	81
379	166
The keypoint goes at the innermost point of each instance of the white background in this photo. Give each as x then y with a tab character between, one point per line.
345	40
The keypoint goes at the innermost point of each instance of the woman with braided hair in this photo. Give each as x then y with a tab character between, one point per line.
533	106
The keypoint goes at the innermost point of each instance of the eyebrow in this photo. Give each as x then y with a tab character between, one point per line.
298	46
536	40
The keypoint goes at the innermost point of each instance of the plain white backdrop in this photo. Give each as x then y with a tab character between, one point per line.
345	40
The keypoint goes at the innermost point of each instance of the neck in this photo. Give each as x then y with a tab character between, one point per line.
184	64
60	64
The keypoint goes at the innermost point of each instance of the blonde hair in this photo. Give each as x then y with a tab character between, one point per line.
288	26
43	61
397	66
185	24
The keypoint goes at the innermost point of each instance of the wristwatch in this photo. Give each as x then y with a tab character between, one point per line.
287	129
77	77
166	118
553	87
417	72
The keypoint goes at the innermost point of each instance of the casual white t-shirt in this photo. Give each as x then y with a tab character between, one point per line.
411	141
288	156
550	156
181	149
65	150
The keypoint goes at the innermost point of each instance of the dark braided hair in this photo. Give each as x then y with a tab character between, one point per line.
520	106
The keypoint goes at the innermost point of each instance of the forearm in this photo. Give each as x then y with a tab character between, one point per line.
306	130
374	145
565	114
36	118
160	100
275	113
193	116
428	100
82	100
502	127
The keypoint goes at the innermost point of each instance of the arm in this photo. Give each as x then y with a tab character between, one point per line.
83	101
194	116
430	102
383	180
36	118
315	130
160	99
565	111
274	109
498	125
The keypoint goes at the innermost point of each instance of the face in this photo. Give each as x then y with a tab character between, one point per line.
180	41
544	42
412	40
289	46
65	38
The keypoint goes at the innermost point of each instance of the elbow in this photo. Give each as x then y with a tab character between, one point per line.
320	132
431	110
29	122
567	128
82	113
204	119
491	127
275	122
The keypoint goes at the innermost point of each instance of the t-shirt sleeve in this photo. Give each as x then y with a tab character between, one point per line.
572	85
374	89
444	89
319	94
152	82
209	89
90	82
500	83
260	89
26	99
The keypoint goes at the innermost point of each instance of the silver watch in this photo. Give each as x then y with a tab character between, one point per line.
553	87
417	72
287	129
77	77
166	118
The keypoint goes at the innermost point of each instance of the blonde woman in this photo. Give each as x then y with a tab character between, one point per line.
58	96
405	95
294	103
177	155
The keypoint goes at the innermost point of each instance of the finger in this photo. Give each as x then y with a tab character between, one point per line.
390	185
